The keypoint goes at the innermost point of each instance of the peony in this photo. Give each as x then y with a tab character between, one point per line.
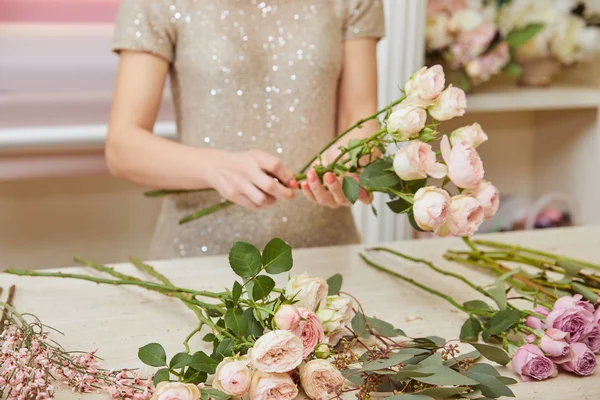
417	161
465	168
488	196
483	68
277	351
406	122
176	391
233	376
311	331
336	314
287	318
464	217
271	386
425	86
571	315
592	338
472	134
534	323
451	103
583	362
309	292
554	343
437	31
321	380
531	363
431	207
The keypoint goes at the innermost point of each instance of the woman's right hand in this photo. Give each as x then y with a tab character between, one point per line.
253	179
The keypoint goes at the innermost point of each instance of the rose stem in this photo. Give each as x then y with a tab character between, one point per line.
167	192
423	287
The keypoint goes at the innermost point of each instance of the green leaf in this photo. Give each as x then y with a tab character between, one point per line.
444	376
335	284
409	373
489	385
263	285
277	257
201	362
245	259
470	330
498	293
224	349
214	394
410	397
513	70
209	337
351	189
384	363
180	360
399	206
359	325
519	37
585	292
162	375
571	268
236	293
502	321
353	375
254	327
431	341
477	305
195	377
507	380
473	355
384	328
235	321
354	152
374	210
379	176
443	392
153	354
492	353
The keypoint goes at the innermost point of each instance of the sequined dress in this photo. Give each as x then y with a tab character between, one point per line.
250	74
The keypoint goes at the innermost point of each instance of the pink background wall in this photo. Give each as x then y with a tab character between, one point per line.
58	11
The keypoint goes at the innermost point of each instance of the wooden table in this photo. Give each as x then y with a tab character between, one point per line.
118	320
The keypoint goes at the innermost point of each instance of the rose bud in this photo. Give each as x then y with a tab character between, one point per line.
287	318
431	207
554	343
472	134
321	380
233	376
272	386
406	122
425	86
534	323
583	362
176	391
322	351
488	196
465	168
452	103
308	292
417	161
277	351
530	363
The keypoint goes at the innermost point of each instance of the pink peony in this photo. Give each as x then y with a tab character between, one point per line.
452	103
311	330
272	386
555	343
465	168
176	391
531	363
288	318
488	196
464	217
417	161
472	134
431	207
534	323
406	122
425	86
583	362
277	351
321	380
591	338
571	315
233	376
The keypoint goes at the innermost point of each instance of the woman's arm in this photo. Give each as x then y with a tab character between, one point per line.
357	98
135	154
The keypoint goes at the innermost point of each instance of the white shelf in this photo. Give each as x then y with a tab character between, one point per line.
504	99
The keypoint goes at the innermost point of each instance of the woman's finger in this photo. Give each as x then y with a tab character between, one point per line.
321	194
274	166
307	192
272	186
257	196
335	188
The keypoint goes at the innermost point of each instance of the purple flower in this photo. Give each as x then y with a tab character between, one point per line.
592	338
583	362
541	310
531	363
569	302
554	343
534	322
571	315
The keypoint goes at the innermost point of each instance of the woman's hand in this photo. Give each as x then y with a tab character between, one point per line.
330	193
252	179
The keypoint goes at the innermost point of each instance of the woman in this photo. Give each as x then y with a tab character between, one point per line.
259	88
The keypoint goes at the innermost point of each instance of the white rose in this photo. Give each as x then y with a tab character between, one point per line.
451	103
321	380
406	122
277	351
437	32
233	376
425	86
176	391
472	134
309	292
418	161
336	314
431	207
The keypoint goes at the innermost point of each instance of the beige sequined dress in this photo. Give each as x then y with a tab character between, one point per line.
250	74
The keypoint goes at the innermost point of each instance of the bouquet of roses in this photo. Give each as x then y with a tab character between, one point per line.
266	339
405	177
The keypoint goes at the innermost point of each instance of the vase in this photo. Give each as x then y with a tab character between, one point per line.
539	72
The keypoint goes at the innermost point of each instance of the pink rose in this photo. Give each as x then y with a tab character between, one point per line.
233	376
287	318
583	362
465	168
534	323
571	315
437	32
431	207
425	86
277	351
471	44
554	343
531	363
531	338
321	380
451	103
450	6
176	391
272	386
472	134
311	331
592	338
488	196
417	161
464	217
541	310
406	122
483	68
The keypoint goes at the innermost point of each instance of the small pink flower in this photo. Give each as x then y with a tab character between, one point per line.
452	103
541	310
483	68
464	217
431	207
233	376
311	331
277	351
531	363
425	86
406	122
417	161
488	196
555	343
471	44
288	318
465	168
583	362
472	134
534	323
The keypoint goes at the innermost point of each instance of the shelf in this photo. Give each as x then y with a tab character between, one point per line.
504	99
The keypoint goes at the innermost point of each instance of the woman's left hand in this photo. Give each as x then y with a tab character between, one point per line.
330	193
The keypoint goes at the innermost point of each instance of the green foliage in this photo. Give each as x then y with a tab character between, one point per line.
153	354
235	321
335	284
470	330
236	293
277	257
379	176
519	37
263	285
492	353
351	189
180	360
201	362
245	259
502	321
161	375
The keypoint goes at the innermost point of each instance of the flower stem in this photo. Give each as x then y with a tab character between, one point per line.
165	192
205	211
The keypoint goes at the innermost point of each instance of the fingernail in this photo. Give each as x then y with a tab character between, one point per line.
330	177
312	176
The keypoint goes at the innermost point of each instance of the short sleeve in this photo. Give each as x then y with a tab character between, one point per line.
145	25
365	18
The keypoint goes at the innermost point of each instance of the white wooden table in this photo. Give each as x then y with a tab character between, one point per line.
119	320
